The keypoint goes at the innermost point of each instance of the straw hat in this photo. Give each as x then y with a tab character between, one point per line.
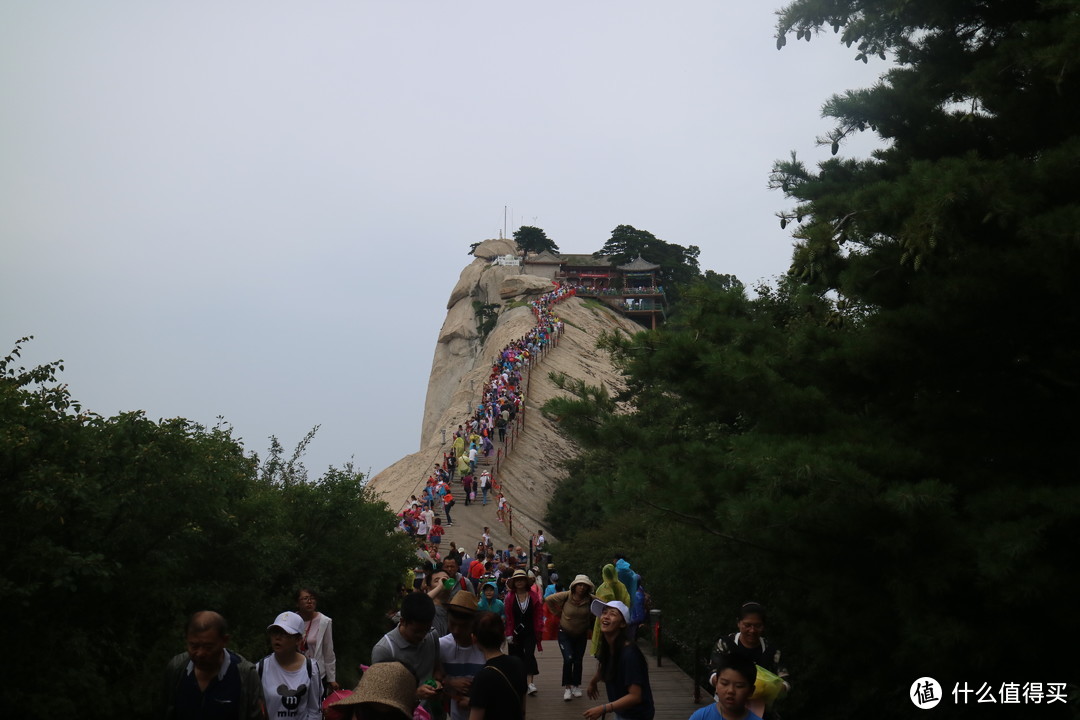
519	574
464	603
389	683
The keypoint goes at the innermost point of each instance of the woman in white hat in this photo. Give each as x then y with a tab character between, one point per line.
292	683
575	619
622	668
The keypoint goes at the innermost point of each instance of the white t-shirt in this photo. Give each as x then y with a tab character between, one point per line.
291	694
459	661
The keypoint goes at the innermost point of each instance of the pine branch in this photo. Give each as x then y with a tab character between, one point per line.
703	524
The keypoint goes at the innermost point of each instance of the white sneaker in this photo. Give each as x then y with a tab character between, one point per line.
575	691
566	694
532	689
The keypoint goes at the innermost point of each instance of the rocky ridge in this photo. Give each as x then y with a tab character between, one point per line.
460	367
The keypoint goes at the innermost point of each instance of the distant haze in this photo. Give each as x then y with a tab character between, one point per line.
258	209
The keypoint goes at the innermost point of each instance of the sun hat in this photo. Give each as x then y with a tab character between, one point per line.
288	621
389	683
463	603
598	607
582	579
518	574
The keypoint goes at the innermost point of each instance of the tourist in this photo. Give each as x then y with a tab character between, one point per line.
498	690
452	569
750	642
448	502
413	643
574	609
524	622
485	485
437	588
318	640
386	691
461	657
621	666
610	589
291	682
489	600
467	489
733	684
210	675
436	533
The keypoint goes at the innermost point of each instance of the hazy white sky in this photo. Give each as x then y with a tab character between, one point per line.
258	209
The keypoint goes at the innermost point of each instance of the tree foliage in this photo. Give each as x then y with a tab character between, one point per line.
117	528
534	240
487	316
881	446
678	264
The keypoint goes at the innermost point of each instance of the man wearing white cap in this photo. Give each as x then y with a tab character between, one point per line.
622	667
292	682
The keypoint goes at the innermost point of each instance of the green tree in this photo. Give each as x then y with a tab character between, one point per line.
487	316
883	441
722	281
534	240
678	264
117	528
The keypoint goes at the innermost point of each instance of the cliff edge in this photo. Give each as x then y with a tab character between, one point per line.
459	369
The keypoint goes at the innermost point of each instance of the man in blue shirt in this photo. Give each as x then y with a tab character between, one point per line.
209	681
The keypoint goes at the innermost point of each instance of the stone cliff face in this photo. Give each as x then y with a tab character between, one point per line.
460	368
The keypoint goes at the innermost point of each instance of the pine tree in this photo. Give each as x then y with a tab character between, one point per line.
534	240
882	446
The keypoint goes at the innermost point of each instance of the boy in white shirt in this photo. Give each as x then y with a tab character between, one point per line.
461	658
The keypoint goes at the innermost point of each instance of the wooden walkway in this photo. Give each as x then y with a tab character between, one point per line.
673	690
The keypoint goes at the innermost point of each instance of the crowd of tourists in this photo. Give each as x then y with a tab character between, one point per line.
617	292
457	611
500	403
444	656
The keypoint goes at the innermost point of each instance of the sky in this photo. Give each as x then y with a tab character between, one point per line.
257	210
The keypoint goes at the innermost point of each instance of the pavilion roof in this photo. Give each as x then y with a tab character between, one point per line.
544	258
586	260
639	264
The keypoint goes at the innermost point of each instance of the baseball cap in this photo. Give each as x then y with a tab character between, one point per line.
598	607
288	621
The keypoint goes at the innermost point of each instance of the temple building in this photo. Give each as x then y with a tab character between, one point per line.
633	288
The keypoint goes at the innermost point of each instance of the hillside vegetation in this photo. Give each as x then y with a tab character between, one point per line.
882	447
117	528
